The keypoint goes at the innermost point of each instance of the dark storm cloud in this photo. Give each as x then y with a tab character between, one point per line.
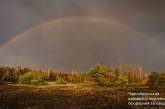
74	43
145	16
15	16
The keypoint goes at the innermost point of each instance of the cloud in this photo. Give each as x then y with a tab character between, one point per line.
78	43
146	17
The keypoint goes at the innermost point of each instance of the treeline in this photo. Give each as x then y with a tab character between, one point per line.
156	79
120	76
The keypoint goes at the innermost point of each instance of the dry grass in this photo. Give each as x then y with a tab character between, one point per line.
53	96
67	96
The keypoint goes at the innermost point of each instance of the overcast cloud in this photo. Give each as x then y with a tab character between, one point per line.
64	46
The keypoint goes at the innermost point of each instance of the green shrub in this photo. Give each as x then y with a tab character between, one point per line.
103	75
153	79
11	74
161	81
31	78
104	81
61	81
26	78
121	82
8	74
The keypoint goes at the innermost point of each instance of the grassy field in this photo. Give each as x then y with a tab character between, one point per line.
70	96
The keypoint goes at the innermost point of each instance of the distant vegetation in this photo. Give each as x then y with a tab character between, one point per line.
31	78
102	75
156	79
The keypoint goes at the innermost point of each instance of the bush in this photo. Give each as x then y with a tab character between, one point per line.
60	81
153	79
56	75
52	76
156	79
76	77
103	75
104	81
161	81
8	74
31	78
122	81
11	74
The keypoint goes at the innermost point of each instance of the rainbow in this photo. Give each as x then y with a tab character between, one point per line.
68	19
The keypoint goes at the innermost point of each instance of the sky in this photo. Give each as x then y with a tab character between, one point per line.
77	34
